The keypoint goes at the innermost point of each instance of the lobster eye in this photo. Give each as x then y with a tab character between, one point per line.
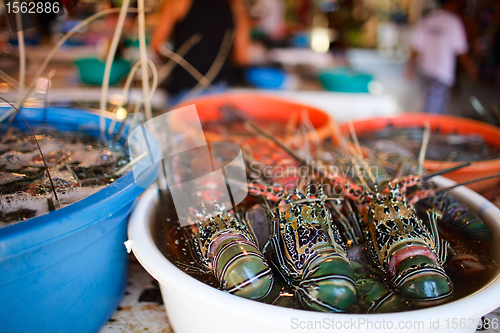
396	208
386	210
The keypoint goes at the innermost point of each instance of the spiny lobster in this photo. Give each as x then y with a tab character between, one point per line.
222	242
226	246
306	249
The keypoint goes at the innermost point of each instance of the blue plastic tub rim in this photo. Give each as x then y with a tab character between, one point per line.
50	226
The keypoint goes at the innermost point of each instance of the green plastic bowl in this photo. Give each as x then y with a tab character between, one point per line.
92	70
344	79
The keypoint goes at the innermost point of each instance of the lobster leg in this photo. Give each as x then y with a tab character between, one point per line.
441	245
374	295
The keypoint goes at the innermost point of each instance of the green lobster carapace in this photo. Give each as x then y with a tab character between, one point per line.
304	247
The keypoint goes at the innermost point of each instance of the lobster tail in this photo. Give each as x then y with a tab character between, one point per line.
241	269
420	279
225	245
329	284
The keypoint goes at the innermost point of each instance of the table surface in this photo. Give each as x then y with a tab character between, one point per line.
142	309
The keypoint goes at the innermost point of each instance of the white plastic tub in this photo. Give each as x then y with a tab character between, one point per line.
193	306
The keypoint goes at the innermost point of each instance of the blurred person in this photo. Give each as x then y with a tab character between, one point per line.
211	19
437	41
271	20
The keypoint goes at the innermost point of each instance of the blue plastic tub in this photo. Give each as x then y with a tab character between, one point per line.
344	79
266	78
66	271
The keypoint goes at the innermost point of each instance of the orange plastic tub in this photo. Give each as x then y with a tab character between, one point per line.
257	106
445	124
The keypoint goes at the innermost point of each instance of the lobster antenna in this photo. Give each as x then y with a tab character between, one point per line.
355	138
107	67
321	194
292	203
444	171
355	152
291	125
38	145
299	194
215	68
361	160
313	134
7	135
423	149
467	182
144	58
302	182
22	55
307	146
359	154
290	152
355	220
391	190
338	135
360	175
204	214
217	206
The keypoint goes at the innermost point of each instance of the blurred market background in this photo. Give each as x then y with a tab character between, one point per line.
345	56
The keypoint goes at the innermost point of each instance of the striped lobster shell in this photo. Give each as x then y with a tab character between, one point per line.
304	248
410	251
226	245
